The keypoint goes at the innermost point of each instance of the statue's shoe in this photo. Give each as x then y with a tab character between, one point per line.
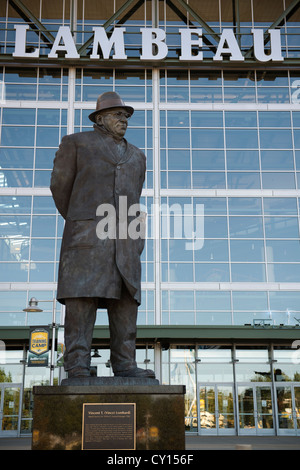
78	372
136	372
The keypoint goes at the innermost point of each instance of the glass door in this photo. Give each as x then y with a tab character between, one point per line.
216	409
9	409
255	409
288	409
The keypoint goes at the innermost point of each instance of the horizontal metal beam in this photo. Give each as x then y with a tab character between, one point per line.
181	332
130	62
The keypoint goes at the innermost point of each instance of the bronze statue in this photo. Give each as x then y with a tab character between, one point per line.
93	170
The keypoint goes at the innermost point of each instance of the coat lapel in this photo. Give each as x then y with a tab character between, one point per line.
110	148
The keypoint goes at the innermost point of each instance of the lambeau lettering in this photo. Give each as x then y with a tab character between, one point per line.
150	37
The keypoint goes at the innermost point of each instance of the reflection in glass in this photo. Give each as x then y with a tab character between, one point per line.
274	119
276	138
208	160
281	227
280	206
239	95
184	373
17	136
273	95
207	138
246	227
278	180
259	372
248	272
241	138
242	159
10	416
225	406
243	180
246	407
264	407
240	119
207	407
206	95
285	407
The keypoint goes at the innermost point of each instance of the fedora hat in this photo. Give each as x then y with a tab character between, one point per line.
108	100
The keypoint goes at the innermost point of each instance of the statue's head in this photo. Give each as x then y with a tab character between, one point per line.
112	113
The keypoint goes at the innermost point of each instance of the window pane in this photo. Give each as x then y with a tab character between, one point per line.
17	136
283	250
240	119
277	160
18	116
208	180
246	227
243	205
243	180
178	159
16	157
247	250
241	138
242	159
281	227
248	272
282	206
208	159
207	138
212	250
214	272
213	300
278	180
276	139
207	119
274	119
249	300
47	137
178	138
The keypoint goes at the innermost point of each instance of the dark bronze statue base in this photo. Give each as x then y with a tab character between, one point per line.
159	413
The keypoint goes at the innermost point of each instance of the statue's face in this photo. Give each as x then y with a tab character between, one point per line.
114	120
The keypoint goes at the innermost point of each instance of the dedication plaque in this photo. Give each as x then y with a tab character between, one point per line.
108	426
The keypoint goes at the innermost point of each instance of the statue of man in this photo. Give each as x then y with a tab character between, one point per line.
94	171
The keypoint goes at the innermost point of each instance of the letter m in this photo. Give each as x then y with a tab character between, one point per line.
106	44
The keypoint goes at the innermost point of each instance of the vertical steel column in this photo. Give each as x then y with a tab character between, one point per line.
156	198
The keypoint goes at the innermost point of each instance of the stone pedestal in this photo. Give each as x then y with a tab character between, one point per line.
58	412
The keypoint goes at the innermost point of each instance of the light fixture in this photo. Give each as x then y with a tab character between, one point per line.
32	306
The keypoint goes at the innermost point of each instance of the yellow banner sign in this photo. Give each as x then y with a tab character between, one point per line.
39	341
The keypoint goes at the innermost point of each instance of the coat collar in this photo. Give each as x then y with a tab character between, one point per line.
110	145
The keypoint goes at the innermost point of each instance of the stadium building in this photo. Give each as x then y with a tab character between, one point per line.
216	91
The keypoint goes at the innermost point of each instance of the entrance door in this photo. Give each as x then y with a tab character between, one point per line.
9	409
288	408
255	409
216	409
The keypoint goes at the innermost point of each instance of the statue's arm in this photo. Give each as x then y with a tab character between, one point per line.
63	174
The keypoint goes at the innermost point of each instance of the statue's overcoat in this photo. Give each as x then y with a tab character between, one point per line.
89	172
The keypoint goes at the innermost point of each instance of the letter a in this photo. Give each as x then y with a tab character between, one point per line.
65	35
233	49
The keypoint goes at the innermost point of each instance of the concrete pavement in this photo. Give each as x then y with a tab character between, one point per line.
198	443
